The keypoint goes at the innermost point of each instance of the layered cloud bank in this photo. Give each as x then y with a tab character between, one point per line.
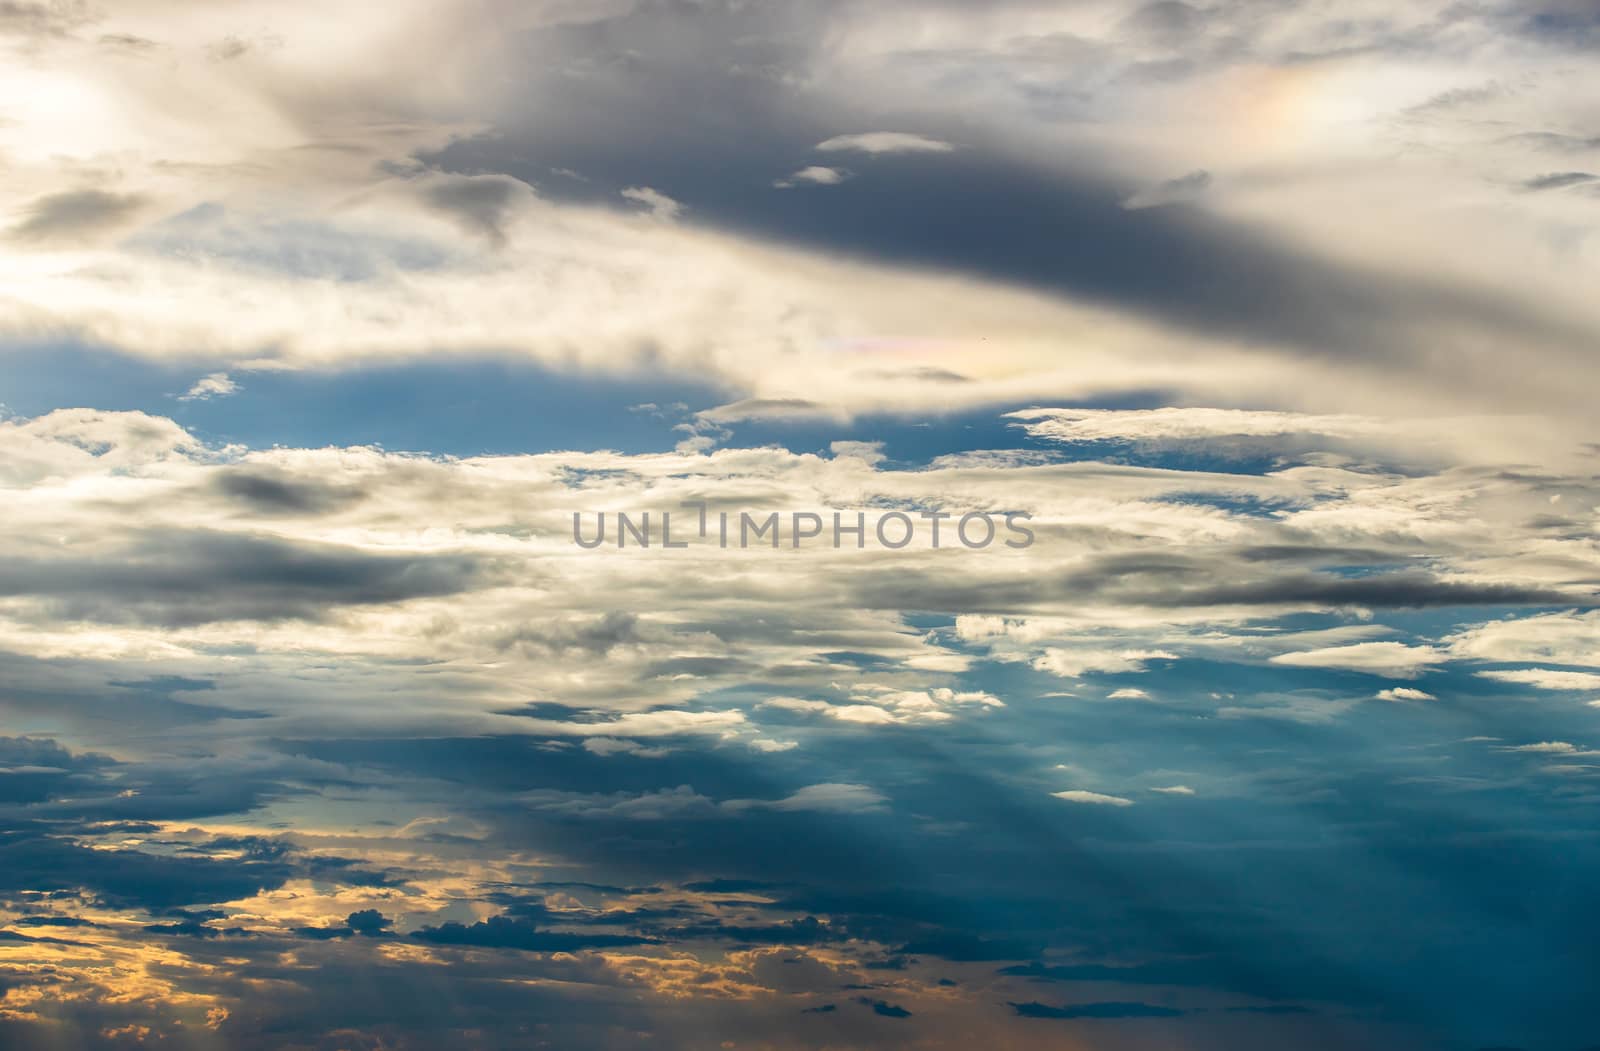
245	186
406	661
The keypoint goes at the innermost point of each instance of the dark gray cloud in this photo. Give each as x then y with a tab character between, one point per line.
1189	581
480	203
1559	180
127	44
264	491
44	20
1174	191
75	215
200	576
984	210
511	932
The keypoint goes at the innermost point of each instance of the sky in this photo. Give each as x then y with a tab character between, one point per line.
1242	354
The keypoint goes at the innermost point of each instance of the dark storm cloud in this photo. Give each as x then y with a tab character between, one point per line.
58	808
33	770
366	923
74	215
807	930
200	576
131	877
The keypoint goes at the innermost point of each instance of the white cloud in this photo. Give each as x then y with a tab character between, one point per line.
884	142
659	204
1092	798
1175	790
699	621
1074	663
1096	425
1374	658
827	798
1568	637
1404	693
1546	678
834	798
814	175
216	385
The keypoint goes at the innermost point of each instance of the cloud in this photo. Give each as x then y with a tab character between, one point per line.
1558	181
880	142
832	798
216	385
1075	663
883	1008
75	216
1545	678
319	696
1092	798
510	932
1545	748
1373	658
1404	693
485	204
1569	637
1173	423
33	21
201	576
657	203
1182	190
1175	790
814	175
